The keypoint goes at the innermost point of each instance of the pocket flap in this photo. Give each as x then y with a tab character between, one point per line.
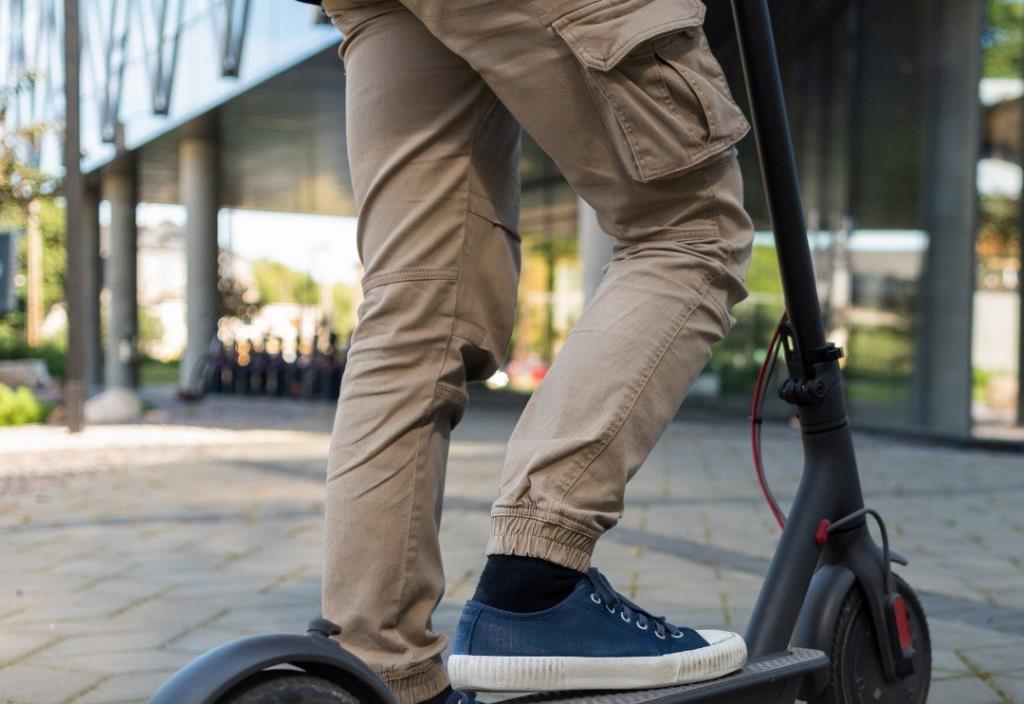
603	33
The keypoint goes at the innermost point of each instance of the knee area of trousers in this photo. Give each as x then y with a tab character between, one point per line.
693	250
407	302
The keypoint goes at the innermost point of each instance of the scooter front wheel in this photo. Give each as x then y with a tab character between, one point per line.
287	687
856	675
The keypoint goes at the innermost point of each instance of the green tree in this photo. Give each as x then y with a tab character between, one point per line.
278	283
305	290
1003	39
21	184
151	329
272	281
763	276
343	300
51	220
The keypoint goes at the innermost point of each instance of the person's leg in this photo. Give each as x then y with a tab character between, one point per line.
433	156
627	98
620	377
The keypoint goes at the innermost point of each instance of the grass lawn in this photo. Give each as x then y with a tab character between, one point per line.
153	372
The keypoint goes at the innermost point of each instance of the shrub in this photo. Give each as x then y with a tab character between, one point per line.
13	346
19	407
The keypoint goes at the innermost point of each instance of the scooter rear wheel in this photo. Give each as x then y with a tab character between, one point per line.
287	687
856	675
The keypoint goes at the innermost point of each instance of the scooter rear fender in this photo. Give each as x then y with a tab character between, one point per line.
211	675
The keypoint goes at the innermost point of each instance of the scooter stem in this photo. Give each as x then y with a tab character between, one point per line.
830	486
778	167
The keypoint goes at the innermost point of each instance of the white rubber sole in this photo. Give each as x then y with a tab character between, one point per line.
726	652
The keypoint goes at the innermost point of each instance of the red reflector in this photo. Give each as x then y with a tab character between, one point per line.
821	535
899	609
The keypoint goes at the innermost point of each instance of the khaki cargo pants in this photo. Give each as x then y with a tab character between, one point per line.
628	100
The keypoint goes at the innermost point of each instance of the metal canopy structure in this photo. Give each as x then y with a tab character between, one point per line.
150	69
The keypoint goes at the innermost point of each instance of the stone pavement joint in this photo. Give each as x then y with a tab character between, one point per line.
121	564
285	578
77	696
29	653
212	618
984	676
140	601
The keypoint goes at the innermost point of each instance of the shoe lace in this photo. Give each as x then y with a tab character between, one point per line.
613	600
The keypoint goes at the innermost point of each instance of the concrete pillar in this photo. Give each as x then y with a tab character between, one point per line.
91	285
942	388
198	187
119	190
595	249
1020	340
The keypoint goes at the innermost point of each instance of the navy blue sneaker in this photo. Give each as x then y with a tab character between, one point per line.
594	639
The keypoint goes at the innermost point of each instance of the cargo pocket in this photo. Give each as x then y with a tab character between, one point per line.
661	92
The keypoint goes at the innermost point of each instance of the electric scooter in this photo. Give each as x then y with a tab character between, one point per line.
832	623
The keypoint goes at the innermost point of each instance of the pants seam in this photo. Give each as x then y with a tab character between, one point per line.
465	11
535	537
402	275
405	673
709	190
494	217
447	393
721	309
555	520
682	235
468	326
542	547
416	683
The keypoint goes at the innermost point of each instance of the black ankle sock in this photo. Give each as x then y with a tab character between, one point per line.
439	698
524	584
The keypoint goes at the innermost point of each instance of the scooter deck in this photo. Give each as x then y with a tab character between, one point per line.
774	678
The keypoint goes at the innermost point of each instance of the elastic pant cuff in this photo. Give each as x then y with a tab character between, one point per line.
531	536
417	684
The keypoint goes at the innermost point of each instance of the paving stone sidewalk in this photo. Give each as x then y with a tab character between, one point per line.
123	556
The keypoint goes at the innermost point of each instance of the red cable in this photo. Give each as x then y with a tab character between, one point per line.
755	424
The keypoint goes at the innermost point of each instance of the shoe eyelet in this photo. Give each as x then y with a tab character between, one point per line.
595	598
677	635
643	627
659	635
611	610
623	617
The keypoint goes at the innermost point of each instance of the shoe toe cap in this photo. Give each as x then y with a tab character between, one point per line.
714	637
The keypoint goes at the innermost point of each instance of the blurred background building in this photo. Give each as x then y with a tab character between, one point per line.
211	129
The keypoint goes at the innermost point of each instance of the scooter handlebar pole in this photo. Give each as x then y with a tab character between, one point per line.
778	167
830	486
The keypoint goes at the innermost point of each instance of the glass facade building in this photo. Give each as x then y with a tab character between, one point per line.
908	128
907	125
